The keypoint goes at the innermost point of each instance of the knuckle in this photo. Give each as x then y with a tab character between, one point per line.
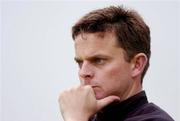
62	95
75	88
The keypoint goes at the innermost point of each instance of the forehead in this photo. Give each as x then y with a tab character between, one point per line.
87	44
99	39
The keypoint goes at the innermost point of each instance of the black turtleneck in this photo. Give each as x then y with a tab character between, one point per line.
135	108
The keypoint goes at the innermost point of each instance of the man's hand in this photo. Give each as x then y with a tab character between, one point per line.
79	104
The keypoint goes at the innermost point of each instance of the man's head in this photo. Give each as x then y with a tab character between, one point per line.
112	48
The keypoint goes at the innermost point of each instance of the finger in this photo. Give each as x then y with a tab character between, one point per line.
105	101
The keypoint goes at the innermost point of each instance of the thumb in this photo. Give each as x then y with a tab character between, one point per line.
105	101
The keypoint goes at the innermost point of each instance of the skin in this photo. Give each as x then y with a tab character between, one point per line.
105	76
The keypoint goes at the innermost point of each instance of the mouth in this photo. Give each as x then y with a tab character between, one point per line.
95	87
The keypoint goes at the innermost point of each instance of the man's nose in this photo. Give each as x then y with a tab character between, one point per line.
86	73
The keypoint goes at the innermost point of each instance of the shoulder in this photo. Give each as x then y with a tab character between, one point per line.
149	112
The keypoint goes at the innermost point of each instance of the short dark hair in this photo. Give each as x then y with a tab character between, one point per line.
133	35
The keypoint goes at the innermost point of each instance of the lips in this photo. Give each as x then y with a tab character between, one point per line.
98	92
95	87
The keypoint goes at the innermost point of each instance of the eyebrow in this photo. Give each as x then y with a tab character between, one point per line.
77	59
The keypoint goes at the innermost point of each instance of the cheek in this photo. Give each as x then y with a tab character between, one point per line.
120	71
112	80
115	71
108	77
115	76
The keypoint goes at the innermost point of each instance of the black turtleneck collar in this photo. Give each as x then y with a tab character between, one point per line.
118	111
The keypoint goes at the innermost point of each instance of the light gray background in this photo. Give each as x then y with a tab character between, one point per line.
36	55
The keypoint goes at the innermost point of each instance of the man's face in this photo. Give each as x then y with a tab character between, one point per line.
102	65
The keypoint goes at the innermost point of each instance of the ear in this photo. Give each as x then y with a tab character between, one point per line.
138	64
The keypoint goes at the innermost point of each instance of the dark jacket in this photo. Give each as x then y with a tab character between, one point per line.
136	108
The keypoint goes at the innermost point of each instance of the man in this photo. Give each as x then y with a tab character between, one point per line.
112	49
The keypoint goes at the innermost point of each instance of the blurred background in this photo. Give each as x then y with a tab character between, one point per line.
36	54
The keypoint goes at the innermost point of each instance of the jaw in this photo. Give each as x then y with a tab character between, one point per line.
134	89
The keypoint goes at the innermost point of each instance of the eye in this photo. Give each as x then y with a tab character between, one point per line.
99	61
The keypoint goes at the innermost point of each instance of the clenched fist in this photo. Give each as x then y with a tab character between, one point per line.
79	103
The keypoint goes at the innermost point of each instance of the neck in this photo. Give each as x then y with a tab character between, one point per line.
135	88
